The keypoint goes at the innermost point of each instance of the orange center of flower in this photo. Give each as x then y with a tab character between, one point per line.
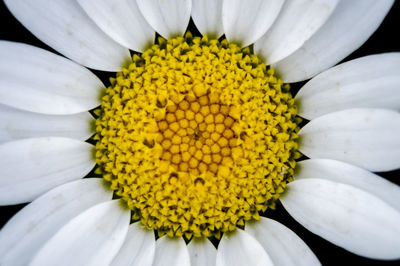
197	135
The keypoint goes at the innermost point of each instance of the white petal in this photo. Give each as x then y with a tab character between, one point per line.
171	252
31	227
122	21
346	216
207	15
349	26
36	80
138	248
351	175
246	21
169	18
65	27
239	248
297	22
282	245
202	252
92	238
17	124
364	137
372	81
30	167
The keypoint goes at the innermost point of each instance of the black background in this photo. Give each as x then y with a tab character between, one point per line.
385	39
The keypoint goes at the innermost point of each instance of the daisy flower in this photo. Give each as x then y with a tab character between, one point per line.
196	138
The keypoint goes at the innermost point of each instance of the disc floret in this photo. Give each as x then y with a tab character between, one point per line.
197	136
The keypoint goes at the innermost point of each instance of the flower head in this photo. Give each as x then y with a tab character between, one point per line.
197	137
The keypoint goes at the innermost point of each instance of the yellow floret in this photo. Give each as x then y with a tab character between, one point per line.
197	136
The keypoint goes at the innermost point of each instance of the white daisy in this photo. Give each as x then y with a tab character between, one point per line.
196	137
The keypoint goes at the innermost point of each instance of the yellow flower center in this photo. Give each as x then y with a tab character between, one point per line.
197	136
